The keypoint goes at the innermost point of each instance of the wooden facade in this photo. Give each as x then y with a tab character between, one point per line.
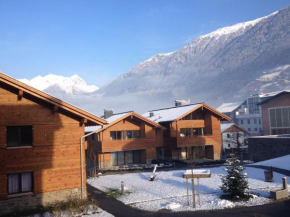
53	155
150	136
196	133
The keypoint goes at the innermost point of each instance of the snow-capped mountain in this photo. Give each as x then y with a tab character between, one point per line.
60	86
227	64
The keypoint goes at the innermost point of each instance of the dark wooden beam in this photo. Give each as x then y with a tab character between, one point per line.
20	94
84	121
55	108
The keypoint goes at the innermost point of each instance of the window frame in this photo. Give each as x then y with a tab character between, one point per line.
20	184
19	145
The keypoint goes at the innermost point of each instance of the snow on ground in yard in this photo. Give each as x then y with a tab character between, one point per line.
168	190
99	213
280	162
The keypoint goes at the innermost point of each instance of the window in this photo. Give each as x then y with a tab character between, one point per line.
255	121
229	145
256	129
252	104
20	183
137	156
185	132
19	136
136	134
228	136
116	135
198	131
280	117
121	135
249	121
260	121
127	157
249	129
242	121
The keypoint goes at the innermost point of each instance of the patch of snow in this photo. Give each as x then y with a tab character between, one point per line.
229	107
98	213
280	162
196	172
231	29
169	114
169	190
70	85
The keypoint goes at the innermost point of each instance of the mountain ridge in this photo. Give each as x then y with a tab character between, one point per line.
60	85
246	49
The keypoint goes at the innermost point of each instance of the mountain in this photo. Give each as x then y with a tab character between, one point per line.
60	86
228	64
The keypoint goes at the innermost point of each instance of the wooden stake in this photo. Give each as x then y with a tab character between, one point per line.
193	195
198	191
187	193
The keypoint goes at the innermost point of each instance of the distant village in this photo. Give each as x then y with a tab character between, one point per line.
48	147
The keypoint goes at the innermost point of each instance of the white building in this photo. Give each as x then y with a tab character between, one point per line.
233	137
247	114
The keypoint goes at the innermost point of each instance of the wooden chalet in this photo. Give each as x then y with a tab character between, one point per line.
127	139
192	131
40	159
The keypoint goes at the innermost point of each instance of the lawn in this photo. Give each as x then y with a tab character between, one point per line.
169	191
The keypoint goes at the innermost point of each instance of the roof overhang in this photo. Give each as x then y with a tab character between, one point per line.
202	106
131	114
86	118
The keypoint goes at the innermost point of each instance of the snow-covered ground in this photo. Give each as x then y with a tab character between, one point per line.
99	213
280	162
169	191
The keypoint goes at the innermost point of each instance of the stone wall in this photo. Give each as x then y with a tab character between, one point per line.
31	201
265	148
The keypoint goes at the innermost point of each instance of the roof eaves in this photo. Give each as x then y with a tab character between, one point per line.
50	99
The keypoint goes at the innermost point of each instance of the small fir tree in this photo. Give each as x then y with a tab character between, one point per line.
234	183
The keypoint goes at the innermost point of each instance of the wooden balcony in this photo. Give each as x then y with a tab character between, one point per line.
191	124
121	145
196	140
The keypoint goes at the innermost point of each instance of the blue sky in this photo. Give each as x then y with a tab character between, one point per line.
101	39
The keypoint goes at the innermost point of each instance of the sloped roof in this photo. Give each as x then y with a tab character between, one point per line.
229	107
273	95
121	116
178	112
91	119
226	126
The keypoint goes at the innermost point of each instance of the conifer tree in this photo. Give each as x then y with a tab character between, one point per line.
234	183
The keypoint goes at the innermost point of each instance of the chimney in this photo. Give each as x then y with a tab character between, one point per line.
151	114
181	102
108	113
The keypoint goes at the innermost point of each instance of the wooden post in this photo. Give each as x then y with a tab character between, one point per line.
122	188
187	193
193	194
198	191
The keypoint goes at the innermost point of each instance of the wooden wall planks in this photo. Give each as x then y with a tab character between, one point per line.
54	157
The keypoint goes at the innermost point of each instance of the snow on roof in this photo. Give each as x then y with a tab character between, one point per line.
196	172
226	126
109	120
229	107
169	114
280	162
